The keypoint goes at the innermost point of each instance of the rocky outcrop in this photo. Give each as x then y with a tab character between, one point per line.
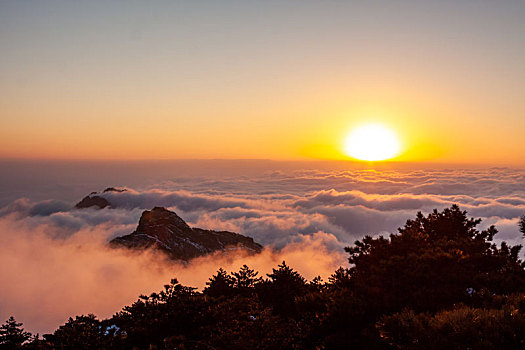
94	200
164	230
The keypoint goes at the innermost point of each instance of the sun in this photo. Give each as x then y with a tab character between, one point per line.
372	142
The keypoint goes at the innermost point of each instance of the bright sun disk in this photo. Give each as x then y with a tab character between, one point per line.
372	142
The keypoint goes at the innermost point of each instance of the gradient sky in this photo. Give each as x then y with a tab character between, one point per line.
267	79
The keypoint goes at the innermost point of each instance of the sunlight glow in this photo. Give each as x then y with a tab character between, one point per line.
372	142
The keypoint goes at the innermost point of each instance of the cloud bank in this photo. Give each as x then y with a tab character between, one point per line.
55	262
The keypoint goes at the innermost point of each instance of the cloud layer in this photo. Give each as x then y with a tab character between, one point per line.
55	263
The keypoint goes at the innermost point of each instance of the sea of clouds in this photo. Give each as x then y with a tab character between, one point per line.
54	261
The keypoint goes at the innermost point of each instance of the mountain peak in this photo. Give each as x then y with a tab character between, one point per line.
162	229
94	199
161	222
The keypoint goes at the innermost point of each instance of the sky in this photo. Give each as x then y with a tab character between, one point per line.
284	80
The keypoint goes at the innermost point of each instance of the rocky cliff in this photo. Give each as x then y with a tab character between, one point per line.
164	230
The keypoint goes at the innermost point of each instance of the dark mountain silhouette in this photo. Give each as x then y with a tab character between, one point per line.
164	230
94	200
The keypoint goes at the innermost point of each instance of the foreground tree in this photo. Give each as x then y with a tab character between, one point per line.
83	332
433	263
281	289
245	280
220	284
459	328
177	315
12	335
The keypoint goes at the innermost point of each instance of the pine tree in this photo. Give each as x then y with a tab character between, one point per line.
220	284
12	335
282	288
245	279
340	278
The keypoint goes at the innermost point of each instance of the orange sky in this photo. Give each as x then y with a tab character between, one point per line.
268	80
